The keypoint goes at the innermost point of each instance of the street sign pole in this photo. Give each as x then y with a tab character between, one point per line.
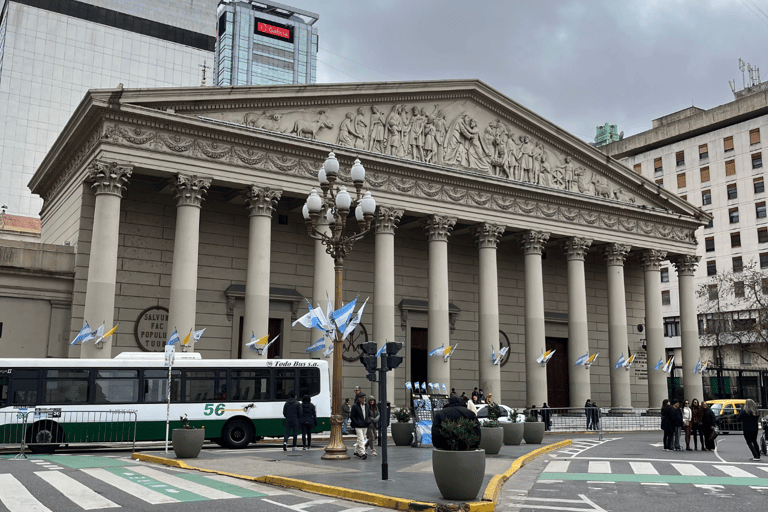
383	417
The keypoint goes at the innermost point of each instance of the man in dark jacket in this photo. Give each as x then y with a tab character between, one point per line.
667	425
291	413
454	410
360	420
677	416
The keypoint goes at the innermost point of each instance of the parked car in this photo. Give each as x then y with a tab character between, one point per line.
482	412
726	411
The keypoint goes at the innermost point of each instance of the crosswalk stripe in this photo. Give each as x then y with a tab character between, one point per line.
245	484
599	466
762	468
688	469
17	498
643	468
735	472
134	489
75	491
181	483
557	466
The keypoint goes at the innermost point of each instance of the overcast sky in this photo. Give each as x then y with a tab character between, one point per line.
578	64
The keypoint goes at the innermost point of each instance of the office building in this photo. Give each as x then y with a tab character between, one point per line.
265	43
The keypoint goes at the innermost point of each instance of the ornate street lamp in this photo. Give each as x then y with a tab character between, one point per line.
337	203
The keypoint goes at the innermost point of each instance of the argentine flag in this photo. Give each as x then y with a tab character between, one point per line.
381	350
659	364
444	390
620	362
698	367
318	345
438	351
341	316
424	386
408	385
174	338
583	359
84	335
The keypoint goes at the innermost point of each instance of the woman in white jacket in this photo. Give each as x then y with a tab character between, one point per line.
687	425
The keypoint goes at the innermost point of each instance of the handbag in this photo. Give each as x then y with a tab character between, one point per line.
714	434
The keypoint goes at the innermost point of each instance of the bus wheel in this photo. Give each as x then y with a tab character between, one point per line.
45	437
237	434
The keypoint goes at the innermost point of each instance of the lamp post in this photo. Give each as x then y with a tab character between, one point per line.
337	203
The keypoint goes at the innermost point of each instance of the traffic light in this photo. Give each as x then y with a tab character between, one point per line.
369	358
392	360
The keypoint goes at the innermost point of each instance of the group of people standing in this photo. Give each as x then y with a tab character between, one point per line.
592	413
299	416
696	420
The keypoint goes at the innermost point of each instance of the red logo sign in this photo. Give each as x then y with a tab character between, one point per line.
273	30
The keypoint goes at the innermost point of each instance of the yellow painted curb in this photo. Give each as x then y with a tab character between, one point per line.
493	489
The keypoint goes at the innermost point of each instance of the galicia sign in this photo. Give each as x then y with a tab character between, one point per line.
274	31
152	329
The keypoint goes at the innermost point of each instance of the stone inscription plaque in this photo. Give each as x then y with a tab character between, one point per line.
151	329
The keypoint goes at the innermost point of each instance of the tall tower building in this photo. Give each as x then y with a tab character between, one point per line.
265	43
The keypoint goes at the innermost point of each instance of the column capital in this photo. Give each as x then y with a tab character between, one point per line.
438	227
652	258
685	264
615	254
576	248
261	201
487	234
108	177
386	219
190	190
533	242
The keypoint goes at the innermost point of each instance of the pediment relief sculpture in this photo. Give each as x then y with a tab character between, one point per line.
453	135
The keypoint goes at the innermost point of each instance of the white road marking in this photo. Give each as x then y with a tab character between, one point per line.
557	466
132	488
17	498
245	484
599	466
300	506
80	495
688	470
643	468
735	472
583	501
180	483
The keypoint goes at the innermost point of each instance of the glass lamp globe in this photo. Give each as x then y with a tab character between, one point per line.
358	172
305	211
331	166
359	213
314	203
343	199
330	217
368	204
321	176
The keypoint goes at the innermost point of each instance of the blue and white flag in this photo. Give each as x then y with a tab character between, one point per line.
352	324
342	315
444	390
329	350
408	385
698	367
620	362
305	320
438	351
424	386
659	364
174	338
318	345
381	350
198	334
329	308
84	335
583	359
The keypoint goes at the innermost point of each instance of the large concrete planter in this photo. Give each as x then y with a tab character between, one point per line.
491	439
458	475
187	442
402	433
513	433
534	432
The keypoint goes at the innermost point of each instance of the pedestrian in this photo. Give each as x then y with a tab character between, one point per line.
489	399
359	420
667	425
546	416
308	421
588	413
595	416
474	395
480	396
687	425
749	417
533	413
373	411
709	423
697	419
677	416
357	392
469	404
291	413
454	410
346	408
453	391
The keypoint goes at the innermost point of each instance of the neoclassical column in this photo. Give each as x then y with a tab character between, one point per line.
535	337
615	254
438	228
323	287
384	224
260	202
487	238
689	333
654	329
579	383
108	179
190	192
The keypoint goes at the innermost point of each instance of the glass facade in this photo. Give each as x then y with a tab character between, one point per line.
256	47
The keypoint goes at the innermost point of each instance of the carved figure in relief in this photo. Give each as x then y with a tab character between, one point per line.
513	158
538	156
601	186
376	139
526	158
477	152
455	152
347	134
545	170
265	120
621	195
416	135
430	143
441	129
568	173
309	128
405	129
500	158
394	131
585	186
361	128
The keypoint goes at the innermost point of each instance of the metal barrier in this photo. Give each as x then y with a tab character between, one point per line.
42	430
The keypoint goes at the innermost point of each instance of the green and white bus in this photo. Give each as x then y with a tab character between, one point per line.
238	401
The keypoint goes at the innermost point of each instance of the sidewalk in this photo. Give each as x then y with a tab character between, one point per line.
411	485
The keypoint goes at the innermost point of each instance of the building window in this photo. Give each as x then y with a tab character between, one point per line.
709	243
754	136
728	143
757	160
681	180
759	185
703	152
738	289
738	264
732	192
712	291
710	223
665	300
660	182
764	260
665	275
638	169
711	268
760	210
762	235
657	168
730	167
706	197
671	326
733	215
704	174
736	239
746	357
680	158
764	287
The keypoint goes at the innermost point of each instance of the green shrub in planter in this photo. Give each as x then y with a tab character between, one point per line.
460	434
403	415
459	470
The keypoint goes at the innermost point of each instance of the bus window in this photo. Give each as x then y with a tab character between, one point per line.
285	382
3	391
24	386
248	385
117	386
156	386
66	386
205	385
309	382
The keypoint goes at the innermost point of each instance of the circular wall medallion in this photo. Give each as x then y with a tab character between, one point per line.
351	345
151	329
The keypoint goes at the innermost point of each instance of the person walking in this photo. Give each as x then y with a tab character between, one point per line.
708	428
373	428
749	417
588	413
359	419
687	425
677	416
346	408
667	425
291	413
308	422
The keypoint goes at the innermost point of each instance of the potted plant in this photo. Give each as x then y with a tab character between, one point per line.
491	433
533	432
402	431
513	431
459	470
187	440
